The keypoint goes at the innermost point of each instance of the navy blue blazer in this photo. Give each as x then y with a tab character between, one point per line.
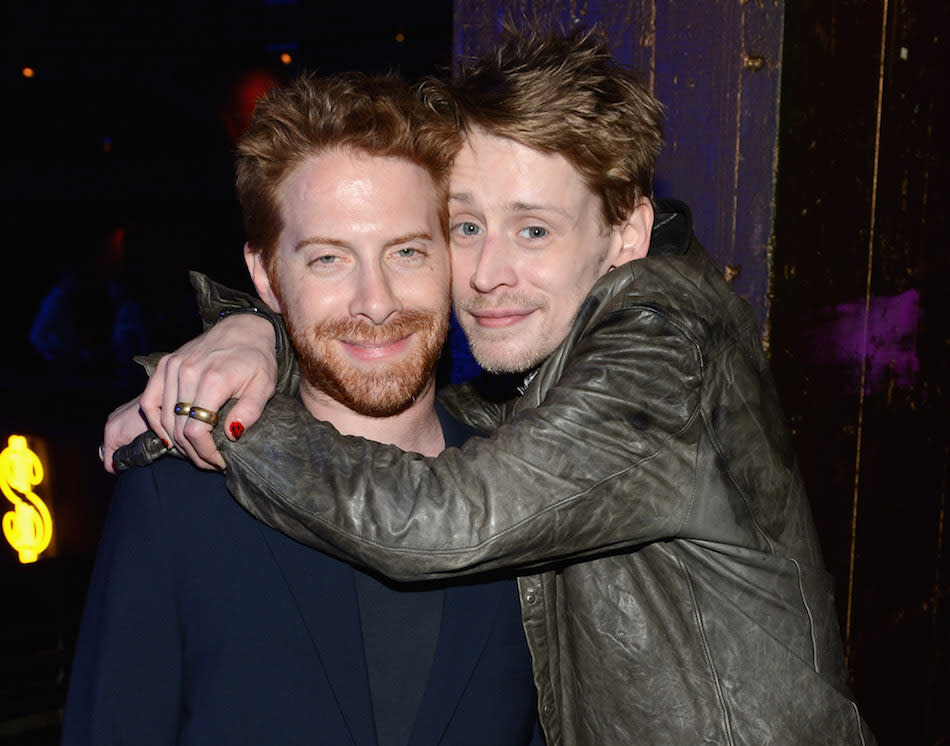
203	626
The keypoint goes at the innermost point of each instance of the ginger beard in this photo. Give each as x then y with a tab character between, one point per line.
377	389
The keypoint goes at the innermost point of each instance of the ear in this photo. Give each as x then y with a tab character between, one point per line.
632	240
255	266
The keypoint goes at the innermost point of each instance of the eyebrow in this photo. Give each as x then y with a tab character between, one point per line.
466	198
461	197
329	241
323	240
532	206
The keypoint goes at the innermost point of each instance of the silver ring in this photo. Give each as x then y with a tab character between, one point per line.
102	453
203	415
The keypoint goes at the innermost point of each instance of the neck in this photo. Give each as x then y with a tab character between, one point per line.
416	429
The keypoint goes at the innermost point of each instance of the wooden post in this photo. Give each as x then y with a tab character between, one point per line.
715	65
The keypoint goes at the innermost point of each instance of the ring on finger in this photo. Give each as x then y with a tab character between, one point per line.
203	415
183	408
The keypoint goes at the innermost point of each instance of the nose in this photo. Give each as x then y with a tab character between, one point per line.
374	296
494	266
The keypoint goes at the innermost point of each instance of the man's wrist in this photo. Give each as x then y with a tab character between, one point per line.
255	311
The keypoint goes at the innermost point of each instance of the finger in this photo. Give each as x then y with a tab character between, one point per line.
172	394
150	402
214	389
107	459
124	424
248	407
201	446
192	372
182	440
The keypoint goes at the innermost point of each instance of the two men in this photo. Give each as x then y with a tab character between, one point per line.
202	625
643	483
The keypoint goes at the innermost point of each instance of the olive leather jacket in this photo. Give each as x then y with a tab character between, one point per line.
645	490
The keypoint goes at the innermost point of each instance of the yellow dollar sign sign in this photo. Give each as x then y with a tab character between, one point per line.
28	527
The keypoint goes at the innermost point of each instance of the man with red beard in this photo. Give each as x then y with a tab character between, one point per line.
202	625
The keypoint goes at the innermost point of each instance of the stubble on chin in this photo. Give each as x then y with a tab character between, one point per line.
502	350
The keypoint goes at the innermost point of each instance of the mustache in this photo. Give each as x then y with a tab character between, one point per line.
494	302
361	332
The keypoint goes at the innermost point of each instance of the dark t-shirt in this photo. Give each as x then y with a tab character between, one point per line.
400	631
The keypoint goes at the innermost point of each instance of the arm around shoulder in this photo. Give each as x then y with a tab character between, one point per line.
607	460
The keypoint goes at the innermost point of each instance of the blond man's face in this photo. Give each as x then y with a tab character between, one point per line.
528	242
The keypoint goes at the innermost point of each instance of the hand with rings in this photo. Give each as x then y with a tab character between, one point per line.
233	359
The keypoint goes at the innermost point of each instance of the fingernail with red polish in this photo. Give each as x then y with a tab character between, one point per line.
167	444
237	429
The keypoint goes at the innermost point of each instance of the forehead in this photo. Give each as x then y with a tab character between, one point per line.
350	188
494	168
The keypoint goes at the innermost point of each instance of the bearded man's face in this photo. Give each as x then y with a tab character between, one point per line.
361	275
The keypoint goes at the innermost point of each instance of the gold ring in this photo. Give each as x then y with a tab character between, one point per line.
203	415
183	408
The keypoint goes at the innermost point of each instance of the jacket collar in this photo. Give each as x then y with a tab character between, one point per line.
672	227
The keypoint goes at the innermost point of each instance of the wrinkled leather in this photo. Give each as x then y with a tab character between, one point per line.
672	586
144	450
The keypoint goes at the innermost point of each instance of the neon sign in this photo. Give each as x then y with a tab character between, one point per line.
28	527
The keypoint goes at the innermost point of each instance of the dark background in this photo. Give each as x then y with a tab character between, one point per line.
129	123
117	167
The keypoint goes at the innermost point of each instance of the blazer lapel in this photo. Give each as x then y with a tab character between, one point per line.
325	594
467	616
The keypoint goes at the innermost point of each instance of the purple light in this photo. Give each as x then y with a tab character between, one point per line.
884	333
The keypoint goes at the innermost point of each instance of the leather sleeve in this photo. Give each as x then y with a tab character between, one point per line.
608	461
146	449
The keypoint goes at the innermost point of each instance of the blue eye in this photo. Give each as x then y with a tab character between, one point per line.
468	229
533	232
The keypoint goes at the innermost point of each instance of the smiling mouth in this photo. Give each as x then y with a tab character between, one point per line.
500	318
376	349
